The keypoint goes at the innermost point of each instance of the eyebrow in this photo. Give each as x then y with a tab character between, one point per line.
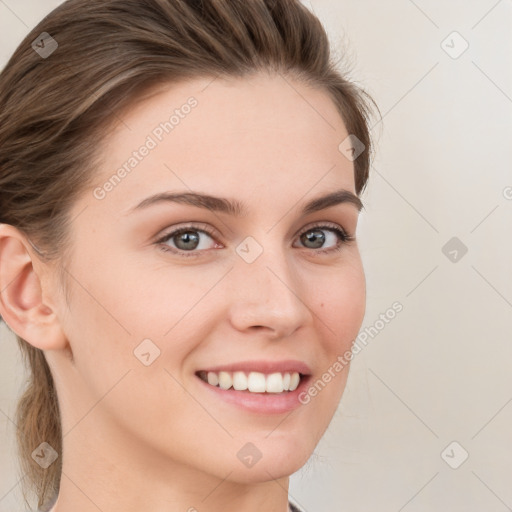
237	208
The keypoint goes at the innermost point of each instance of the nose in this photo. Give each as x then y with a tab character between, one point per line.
268	295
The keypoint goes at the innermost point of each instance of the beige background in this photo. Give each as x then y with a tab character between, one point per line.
439	372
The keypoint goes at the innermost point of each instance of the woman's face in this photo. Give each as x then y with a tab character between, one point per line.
263	289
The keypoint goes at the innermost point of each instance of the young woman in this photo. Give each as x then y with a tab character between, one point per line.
179	196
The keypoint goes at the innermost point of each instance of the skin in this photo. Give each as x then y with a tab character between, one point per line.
150	438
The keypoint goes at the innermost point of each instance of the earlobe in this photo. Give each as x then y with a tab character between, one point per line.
21	293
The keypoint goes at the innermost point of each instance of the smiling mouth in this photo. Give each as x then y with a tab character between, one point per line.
253	382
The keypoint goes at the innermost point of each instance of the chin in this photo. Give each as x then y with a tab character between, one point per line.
273	460
265	471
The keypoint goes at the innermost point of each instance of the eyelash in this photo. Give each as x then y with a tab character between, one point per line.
342	234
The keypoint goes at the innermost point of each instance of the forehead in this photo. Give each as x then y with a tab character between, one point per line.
250	137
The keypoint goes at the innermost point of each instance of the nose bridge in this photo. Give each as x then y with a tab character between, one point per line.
266	288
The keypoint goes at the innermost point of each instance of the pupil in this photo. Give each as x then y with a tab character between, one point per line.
316	236
187	238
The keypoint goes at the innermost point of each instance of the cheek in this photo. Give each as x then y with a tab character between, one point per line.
130	310
137	295
339	313
342	305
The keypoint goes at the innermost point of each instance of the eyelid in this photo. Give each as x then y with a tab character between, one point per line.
187	227
321	224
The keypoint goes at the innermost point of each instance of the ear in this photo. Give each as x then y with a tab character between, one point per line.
22	303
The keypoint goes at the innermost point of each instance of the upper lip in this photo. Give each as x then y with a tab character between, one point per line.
285	366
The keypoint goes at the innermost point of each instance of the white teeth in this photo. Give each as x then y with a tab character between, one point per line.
294	381
255	382
225	380
213	378
275	383
239	381
286	381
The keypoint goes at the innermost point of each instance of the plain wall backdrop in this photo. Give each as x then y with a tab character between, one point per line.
425	423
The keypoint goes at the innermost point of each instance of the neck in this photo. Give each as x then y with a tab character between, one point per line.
98	474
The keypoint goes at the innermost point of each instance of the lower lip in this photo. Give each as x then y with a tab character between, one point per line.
261	403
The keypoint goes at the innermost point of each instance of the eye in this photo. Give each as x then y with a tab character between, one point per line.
185	240
313	237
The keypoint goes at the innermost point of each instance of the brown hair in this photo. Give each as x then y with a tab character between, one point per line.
56	103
